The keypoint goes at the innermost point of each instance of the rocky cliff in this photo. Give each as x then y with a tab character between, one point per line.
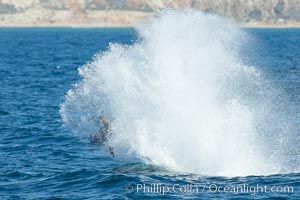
127	12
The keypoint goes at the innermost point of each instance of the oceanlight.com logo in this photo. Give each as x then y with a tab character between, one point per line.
163	189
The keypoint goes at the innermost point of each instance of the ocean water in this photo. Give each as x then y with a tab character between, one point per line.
200	109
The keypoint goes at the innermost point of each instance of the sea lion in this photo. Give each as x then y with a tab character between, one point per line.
103	135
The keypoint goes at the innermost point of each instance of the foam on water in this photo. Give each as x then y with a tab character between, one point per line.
182	98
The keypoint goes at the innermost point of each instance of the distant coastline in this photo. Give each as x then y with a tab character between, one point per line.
45	25
126	13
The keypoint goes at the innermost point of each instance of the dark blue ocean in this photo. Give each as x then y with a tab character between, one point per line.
41	159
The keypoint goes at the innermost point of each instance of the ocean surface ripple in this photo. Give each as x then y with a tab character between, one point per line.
42	157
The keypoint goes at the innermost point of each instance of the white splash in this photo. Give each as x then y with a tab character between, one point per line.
180	97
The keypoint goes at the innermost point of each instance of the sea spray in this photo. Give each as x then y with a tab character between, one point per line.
180	97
